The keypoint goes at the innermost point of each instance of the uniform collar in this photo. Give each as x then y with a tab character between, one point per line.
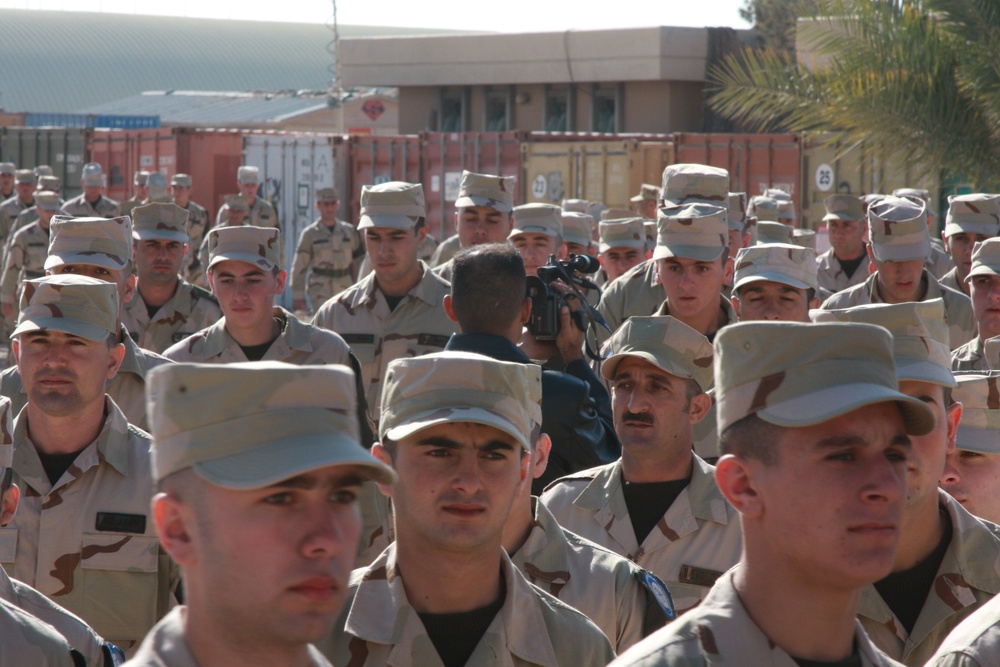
427	290
543	555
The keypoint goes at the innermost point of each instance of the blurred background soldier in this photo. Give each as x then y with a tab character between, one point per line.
92	203
971	219
197	224
140	186
259	211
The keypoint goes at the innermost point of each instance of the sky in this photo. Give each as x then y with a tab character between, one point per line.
510	15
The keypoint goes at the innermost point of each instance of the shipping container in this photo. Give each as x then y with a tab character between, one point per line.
211	157
123	152
648	161
447	154
11	119
591	170
61	148
379	159
90	121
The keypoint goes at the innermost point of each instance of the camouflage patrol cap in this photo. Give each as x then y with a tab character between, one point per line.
693	231
578	228
786	211
160	220
575	205
157	183
979	428
617	213
622	234
253	245
870	199
448	387
778	262
140	177
843	207
327	194
778	194
665	342
248	425
922	194
804	237
773	232
765	209
248	174
93	176
53	183
539	218
7	168
46	200
818	372
647	192
985	258
237	203
975	214
695	184
73	304
496	192
103	242
24	176
897	227
183	180
43	170
394	204
736	215
919	336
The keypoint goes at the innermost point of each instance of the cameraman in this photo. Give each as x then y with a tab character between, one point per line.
488	301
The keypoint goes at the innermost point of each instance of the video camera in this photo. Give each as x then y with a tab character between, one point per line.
546	301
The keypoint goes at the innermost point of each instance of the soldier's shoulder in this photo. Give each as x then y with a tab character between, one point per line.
574	637
676	644
844	298
576	479
199	292
187	349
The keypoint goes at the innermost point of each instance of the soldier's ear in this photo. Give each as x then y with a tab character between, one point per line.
172	529
8	503
734	476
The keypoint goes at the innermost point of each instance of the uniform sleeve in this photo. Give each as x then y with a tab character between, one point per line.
300	265
11	274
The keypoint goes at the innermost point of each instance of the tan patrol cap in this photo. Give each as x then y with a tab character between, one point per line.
43	170
25	176
919	336
73	304
157	183
93	176
843	207
103	242
140	177
253	245
496	192
575	205
7	168
617	214
449	387
249	425
53	183
46	200
665	342
327	194
159	220
778	262
922	194
786	211
695	184
778	194
985	258
693	231
578	228
973	214
647	192
248	174
897	227
237	203
805	238
818	372
979	429
764	208
622	234
737	211
183	180
538	218
773	232
394	204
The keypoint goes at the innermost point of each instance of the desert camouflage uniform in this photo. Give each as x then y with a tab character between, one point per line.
261	214
196	226
950	279
88	541
9	210
25	218
696	540
379	627
940	262
720	631
377	335
832	277
966	579
29	641
188	311
446	250
957	307
974	643
327	254
127	389
81	208
636	292
25	260
970	357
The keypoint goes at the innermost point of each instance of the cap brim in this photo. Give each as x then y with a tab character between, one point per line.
983	270
90	258
774	277
503	207
392	221
285	458
984	440
246	257
823	405
696	252
159	235
902	253
531	229
971	228
422	420
610	365
922	370
632	243
91	332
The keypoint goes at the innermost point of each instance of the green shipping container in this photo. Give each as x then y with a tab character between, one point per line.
64	149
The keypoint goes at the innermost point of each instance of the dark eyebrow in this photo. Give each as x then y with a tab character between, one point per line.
251	272
447	443
833	442
312	481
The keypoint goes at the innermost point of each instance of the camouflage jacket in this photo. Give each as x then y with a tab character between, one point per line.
261	214
694	543
80	207
950	279
25	259
188	311
970	357
636	292
165	646
127	389
940	262
975	642
966	579
957	307
721	632
610	590
832	277
445	251
377	335
29	641
326	254
9	210
379	627
196	226
88	541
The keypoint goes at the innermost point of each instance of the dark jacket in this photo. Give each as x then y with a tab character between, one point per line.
576	409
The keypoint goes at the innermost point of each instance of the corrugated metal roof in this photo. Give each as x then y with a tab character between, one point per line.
70	61
180	108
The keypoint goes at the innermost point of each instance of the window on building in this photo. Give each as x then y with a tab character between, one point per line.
606	110
452	111
559	110
497	111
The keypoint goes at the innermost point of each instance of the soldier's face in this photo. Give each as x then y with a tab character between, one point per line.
142	191
92	192
481	224
180	193
900	282
535	249
737	240
692	286
393	253
973	479
26	191
249	190
647	208
845	235
985	293
770	300
7	182
925	464
959	246
328	210
235	217
157	261
578	248
245	292
457	482
619	260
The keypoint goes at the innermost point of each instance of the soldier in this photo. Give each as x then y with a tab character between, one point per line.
622	246
100	248
237	214
815	440
92	203
972	469
260	213
290	499
773	232
396	310
899	245
24	185
537	234
578	233
658	505
775	281
53	183
141	182
971	219
457	429
7	170
845	263
984	285
938	262
482	215
26	254
943	567
166	308
646	201
329	251
83	534
197	223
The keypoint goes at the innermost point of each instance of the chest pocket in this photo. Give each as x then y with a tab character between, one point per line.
427	344
8	547
331	254
364	347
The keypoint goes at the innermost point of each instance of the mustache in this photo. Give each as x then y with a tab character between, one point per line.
640	417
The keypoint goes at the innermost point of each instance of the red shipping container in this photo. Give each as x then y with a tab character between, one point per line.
379	159
211	157
123	152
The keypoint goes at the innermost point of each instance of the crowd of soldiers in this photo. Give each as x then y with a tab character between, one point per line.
732	449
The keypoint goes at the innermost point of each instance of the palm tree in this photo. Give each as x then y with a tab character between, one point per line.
917	79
